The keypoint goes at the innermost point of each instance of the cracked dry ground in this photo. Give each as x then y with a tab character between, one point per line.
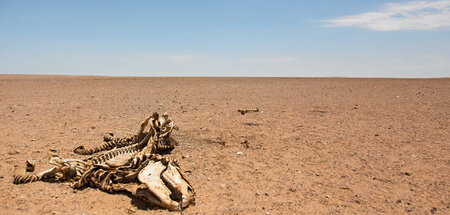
325	146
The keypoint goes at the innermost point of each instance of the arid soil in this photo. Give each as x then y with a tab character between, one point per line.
317	146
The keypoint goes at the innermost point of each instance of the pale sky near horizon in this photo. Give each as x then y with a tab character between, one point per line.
346	38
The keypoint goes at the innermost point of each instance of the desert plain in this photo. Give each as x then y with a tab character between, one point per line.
317	145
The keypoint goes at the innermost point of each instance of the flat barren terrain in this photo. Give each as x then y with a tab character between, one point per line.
317	146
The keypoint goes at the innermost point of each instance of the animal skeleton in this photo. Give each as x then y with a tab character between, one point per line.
134	164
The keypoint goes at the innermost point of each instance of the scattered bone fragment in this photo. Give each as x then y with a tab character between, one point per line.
248	110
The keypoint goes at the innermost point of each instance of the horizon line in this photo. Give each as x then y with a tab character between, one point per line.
156	76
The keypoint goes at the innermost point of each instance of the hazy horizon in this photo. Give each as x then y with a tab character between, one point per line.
349	38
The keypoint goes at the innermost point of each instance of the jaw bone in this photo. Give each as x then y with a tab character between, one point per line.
164	186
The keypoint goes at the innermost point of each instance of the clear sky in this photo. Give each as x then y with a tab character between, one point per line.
324	38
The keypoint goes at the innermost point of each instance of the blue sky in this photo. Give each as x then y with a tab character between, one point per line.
226	38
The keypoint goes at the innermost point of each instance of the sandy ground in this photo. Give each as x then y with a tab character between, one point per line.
318	146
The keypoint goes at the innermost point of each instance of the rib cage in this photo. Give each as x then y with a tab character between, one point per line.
157	148
119	151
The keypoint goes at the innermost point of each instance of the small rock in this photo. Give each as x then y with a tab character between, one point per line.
209	179
327	196
93	127
239	153
185	156
54	151
223	185
245	144
407	173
